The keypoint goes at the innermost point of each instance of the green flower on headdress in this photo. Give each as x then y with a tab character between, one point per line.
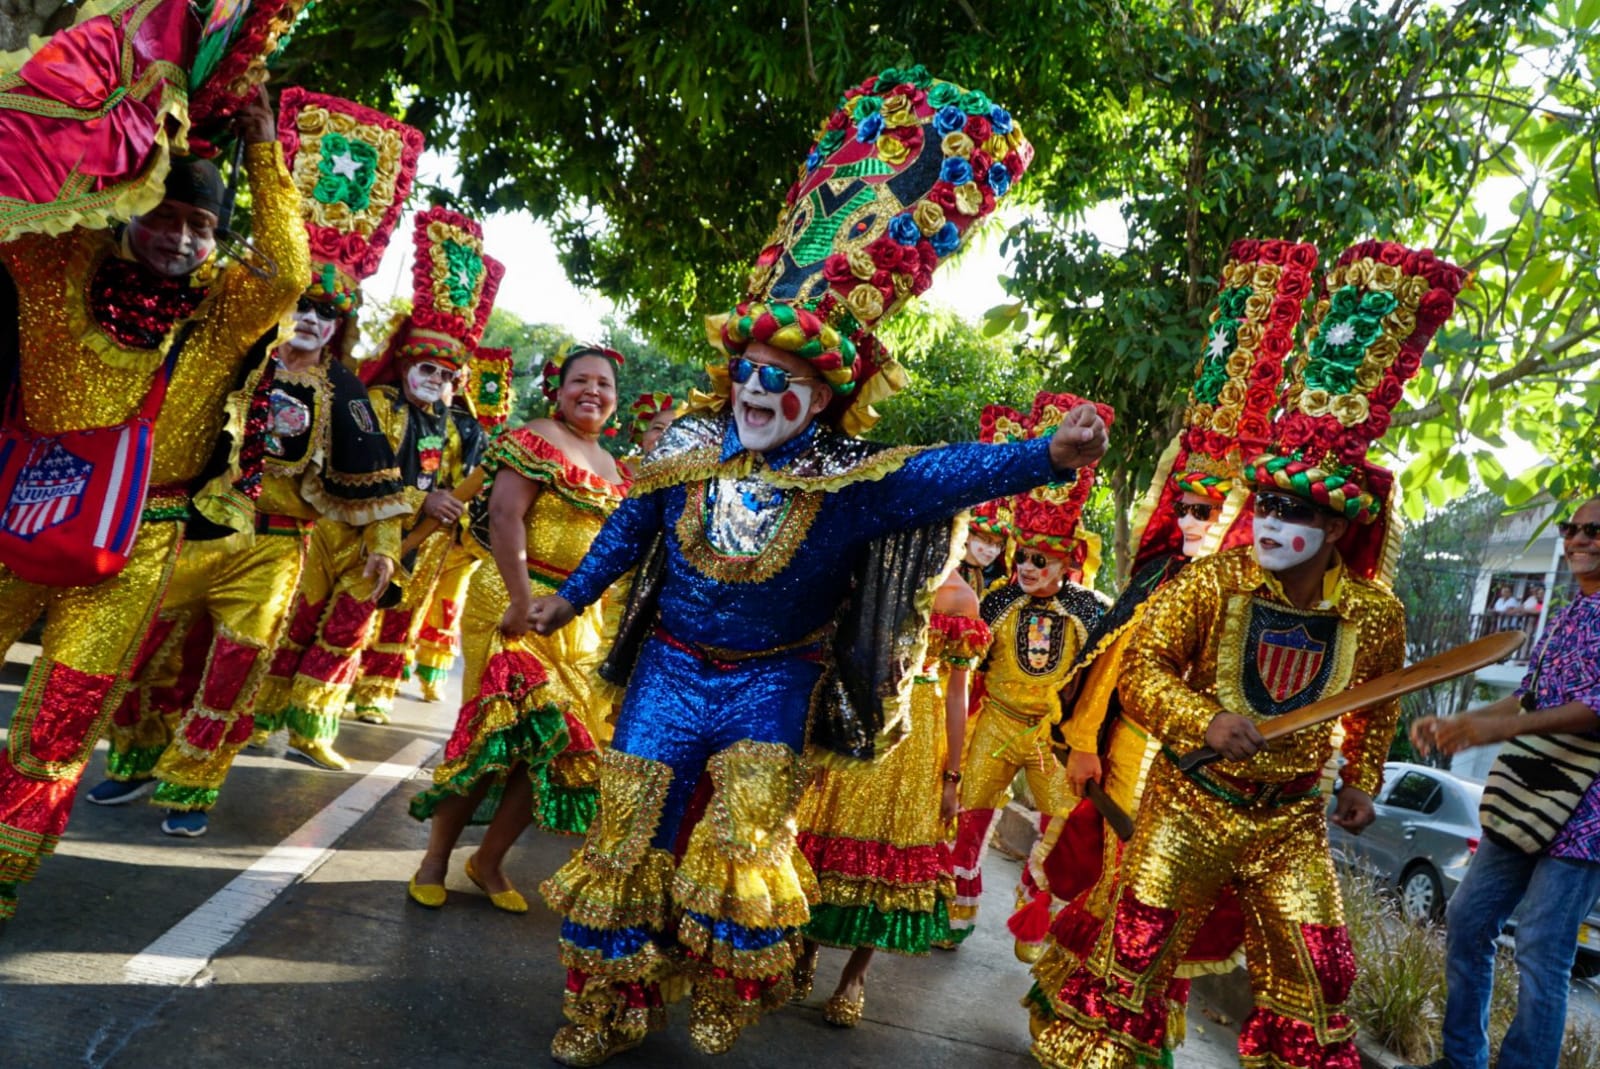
977	102
944	93
829	142
464	270
346	171
892	76
1222	340
865	106
1354	321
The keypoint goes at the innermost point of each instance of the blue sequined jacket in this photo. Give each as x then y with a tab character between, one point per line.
760	546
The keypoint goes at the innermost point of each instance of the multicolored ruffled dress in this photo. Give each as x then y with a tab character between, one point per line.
529	699
874	836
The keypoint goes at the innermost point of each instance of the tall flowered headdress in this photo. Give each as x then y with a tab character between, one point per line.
1046	517
353	167
890	189
646	407
488	391
992	518
1380	306
453	289
1251	329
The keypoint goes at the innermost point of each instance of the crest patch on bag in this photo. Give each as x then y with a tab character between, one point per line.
49	490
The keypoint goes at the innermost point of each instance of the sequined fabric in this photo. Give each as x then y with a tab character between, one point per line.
1194	843
439	641
240	599
529	700
873	835
136	307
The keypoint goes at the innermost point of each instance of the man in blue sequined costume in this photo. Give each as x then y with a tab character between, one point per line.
759	549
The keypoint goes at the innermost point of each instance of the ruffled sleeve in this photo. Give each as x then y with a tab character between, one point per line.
535	459
958	641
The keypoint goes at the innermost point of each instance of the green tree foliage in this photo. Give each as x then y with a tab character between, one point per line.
658	138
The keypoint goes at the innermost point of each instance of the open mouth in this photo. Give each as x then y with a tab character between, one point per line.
756	417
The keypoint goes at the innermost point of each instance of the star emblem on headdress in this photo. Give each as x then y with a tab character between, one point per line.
345	166
1341	334
1219	345
464	277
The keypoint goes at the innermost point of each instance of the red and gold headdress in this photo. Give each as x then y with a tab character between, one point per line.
1046	517
353	167
646	407
992	518
890	189
238	38
488	391
453	289
1264	285
1380	306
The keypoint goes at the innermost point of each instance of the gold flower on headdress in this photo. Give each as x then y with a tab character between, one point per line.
861	264
1314	402
892	150
1359	272
996	147
1239	363
1248	334
956	144
1231	394
866	303
1349	409
1381	353
1266	275
897	111
928	216
1384	276
969	199
1368	375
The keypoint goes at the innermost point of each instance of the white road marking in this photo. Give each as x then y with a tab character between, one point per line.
183	951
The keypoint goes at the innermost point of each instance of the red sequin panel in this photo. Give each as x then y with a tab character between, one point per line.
1140	932
1271	1039
1333	958
230	667
69	702
136	306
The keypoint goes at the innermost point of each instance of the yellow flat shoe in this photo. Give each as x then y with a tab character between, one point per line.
510	900
844	1012
431	895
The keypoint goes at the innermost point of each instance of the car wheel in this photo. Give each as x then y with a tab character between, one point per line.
1421	894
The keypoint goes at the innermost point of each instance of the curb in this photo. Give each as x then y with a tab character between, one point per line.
1016	831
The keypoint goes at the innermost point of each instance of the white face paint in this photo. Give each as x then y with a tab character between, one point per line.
425	382
173	238
1036	580
767	420
1194	533
311	332
982	551
1280	546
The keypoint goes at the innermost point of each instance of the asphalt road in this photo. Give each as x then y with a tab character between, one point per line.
284	938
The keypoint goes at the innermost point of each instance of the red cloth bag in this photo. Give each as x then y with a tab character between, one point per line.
70	503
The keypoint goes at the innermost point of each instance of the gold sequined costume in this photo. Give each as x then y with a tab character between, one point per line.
75	373
436	451
439	641
1222	636
530	700
873	835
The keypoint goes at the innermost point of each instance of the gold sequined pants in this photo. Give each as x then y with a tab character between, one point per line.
90	637
439	642
999	745
220	617
318	651
1188	845
395	632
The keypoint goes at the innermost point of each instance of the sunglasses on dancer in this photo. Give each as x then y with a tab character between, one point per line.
773	379
430	370
1287	509
1571	530
1038	560
326	312
1201	512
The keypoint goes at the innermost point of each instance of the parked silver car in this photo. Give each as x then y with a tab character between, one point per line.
1426	832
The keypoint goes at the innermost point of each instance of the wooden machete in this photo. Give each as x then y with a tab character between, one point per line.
466	490
1465	658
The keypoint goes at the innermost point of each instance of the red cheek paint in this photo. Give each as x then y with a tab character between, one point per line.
1299	543
791	405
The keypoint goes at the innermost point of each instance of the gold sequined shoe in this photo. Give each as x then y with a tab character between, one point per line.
844	1012
431	895
712	1025
371	714
1028	953
430	691
804	978
319	753
510	899
581	1045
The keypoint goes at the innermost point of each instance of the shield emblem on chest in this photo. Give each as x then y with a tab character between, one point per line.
1041	635
1288	661
1284	658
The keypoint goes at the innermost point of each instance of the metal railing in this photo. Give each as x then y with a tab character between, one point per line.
1487	623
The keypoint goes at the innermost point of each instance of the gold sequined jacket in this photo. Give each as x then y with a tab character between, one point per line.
75	375
1201	648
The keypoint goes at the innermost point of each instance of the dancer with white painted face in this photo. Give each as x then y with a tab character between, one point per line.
1191	505
302	445
983	561
1242	635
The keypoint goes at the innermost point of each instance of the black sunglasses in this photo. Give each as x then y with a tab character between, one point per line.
325	312
1570	530
1201	512
1038	560
773	379
1287	509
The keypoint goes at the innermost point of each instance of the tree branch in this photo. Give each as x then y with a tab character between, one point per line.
1530	365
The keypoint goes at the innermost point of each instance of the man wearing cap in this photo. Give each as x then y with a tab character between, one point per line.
1250	633
302	444
99	310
